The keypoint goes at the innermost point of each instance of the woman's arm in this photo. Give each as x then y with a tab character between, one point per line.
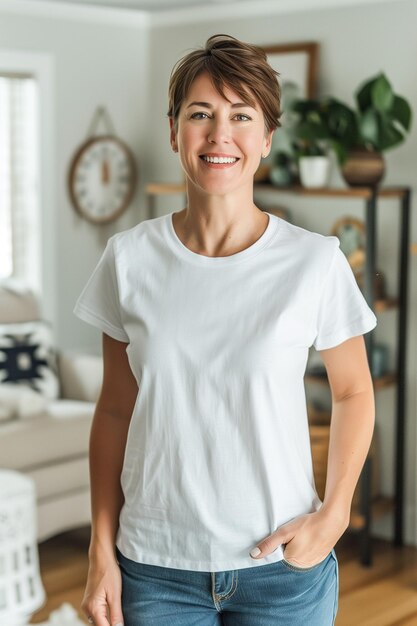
107	447
352	422
311	537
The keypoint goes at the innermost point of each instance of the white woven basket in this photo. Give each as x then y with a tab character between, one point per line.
21	590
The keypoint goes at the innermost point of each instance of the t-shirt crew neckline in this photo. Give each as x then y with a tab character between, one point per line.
216	261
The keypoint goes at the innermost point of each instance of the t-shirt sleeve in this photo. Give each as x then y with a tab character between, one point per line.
343	311
98	303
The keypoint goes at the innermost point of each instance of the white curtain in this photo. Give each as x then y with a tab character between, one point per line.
19	185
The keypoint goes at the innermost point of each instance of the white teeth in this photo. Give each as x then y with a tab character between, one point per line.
219	159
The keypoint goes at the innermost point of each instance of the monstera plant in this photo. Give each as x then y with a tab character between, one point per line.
382	121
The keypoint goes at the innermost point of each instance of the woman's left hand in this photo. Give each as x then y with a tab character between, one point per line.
309	538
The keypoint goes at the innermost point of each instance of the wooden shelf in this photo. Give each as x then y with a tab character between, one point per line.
379	383
386	304
348	192
157	189
162	189
380	506
385	381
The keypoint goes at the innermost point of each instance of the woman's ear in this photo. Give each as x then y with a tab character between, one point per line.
173	135
267	143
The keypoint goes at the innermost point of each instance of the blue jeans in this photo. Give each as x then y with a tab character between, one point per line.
276	593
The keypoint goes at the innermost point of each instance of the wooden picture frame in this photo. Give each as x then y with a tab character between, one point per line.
297	62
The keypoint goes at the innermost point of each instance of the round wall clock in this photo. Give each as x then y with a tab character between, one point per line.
102	178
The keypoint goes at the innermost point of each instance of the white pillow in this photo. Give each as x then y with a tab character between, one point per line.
20	401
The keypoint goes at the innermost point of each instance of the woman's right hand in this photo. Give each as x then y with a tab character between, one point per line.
102	597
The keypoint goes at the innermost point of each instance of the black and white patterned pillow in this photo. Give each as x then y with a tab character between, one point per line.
27	357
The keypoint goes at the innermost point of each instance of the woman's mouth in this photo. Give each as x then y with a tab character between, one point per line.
220	162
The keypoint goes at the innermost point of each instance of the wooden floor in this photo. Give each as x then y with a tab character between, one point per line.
382	595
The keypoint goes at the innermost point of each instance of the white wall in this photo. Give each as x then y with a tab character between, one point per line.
94	64
355	43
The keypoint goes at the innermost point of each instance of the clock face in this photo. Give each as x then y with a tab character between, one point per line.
102	179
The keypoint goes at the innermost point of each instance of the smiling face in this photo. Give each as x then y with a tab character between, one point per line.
220	143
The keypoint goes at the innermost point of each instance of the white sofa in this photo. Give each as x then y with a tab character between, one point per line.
52	447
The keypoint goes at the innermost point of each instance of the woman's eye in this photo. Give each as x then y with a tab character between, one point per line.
247	118
195	116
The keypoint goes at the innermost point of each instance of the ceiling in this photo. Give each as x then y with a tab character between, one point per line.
152	6
169	12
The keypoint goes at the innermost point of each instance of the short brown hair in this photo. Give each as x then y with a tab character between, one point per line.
241	66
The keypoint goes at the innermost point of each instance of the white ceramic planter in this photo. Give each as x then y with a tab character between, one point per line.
314	171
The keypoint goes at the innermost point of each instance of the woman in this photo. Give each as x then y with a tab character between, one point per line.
201	468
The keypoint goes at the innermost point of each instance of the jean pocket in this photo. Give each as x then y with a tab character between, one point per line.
125	564
296	568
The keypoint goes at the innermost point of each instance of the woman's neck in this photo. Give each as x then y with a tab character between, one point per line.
219	231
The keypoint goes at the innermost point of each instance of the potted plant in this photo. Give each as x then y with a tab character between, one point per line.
310	140
359	137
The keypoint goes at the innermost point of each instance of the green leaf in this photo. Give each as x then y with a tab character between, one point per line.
390	136
304	106
369	127
310	131
342	122
364	94
382	94
401	111
315	150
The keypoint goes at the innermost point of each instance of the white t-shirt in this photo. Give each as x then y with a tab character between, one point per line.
218	453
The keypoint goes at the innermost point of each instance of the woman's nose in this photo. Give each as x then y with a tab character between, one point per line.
219	131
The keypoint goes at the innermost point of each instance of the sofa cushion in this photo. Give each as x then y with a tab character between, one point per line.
74	476
61	433
20	402
62	513
27	357
17	302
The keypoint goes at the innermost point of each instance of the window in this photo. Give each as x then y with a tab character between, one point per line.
19	184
